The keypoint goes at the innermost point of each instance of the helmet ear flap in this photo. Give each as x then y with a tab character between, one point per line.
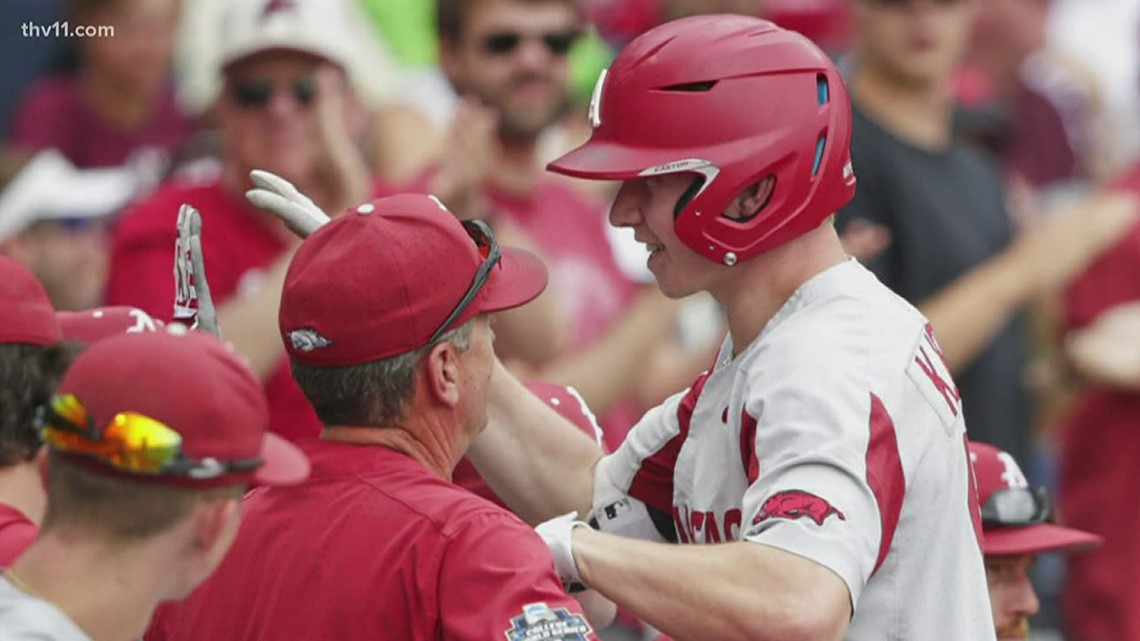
689	195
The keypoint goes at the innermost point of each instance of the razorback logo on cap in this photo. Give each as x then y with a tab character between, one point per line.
796	504
307	340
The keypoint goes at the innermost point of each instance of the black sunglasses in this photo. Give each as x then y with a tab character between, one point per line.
1017	506
254	94
503	43
489	250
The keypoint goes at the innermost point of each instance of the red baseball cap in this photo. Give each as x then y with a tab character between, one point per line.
26	315
104	322
195	385
381	278
998	471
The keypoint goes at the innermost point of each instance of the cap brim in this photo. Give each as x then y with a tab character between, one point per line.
604	161
1043	537
519	278
49	187
282	463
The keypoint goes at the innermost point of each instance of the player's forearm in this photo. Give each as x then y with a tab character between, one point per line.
614	366
969	312
739	590
535	460
250	321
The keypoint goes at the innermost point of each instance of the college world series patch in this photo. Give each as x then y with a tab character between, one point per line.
540	621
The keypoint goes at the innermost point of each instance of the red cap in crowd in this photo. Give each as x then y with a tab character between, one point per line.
381	278
1015	518
570	404
194	385
26	316
96	324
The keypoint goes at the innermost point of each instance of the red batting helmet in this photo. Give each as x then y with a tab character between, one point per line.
734	100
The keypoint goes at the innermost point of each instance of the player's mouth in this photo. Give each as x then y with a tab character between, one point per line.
655	252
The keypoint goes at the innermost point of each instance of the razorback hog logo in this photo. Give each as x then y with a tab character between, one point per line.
796	504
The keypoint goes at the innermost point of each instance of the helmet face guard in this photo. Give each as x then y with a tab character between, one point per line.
733	100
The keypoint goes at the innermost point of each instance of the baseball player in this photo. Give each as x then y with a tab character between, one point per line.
825	450
1016	522
152	440
32	362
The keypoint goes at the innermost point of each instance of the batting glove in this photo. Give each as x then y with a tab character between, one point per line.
279	197
557	533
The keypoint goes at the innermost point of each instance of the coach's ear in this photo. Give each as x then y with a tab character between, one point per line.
442	374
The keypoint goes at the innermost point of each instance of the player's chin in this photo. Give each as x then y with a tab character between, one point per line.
673	288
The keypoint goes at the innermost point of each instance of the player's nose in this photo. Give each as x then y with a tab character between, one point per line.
626	209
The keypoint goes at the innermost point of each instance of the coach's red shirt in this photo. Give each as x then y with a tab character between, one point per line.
16	533
374	546
238	244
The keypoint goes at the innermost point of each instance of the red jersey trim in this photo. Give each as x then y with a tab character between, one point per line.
885	474
653	482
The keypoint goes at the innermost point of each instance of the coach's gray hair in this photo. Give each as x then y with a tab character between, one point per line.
375	393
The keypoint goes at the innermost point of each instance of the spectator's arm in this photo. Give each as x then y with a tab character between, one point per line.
249	321
613	366
968	313
537	332
1107	353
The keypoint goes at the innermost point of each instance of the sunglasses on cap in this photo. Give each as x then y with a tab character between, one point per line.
131	442
255	94
504	43
489	251
1017	506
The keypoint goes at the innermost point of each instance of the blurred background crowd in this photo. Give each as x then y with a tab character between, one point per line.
996	145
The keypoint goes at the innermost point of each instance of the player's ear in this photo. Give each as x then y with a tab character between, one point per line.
753	199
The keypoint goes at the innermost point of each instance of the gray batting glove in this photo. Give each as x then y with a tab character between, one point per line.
557	533
278	196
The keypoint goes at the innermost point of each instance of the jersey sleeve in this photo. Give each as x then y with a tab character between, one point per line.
819	485
644	464
497	580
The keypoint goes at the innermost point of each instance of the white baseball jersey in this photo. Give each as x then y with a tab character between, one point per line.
837	434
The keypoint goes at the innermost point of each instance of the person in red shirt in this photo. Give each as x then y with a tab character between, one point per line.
31	371
287	106
382	545
152	438
1098	470
120	104
32	361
